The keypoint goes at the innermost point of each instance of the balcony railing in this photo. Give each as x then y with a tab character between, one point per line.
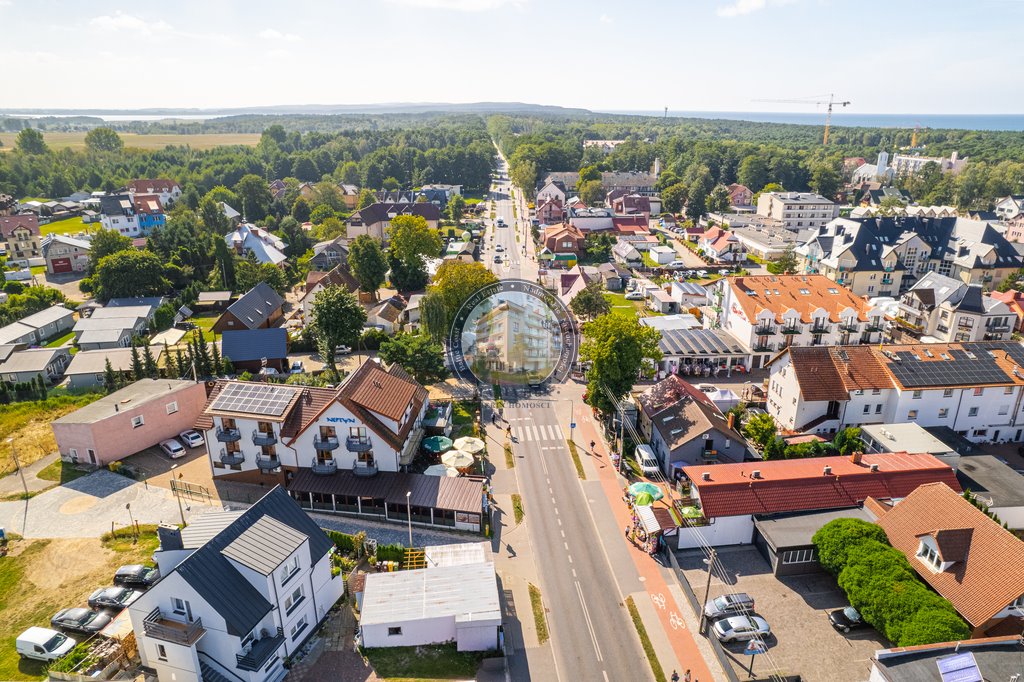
267	463
263	437
325	444
260	652
358	444
324	468
997	328
186	634
763	348
887	280
364	469
849	327
791	330
765	331
229	435
820	329
231	458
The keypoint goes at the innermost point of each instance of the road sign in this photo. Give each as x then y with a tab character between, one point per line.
755	647
572	425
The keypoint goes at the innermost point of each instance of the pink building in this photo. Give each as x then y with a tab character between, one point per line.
129	420
740	195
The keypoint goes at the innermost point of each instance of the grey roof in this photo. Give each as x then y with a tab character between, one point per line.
213	296
210	573
15	330
122	311
91	324
243	345
990	479
468	590
104	335
151	301
94	361
7	349
45	317
699	343
265	545
796	530
205	527
33	360
132	395
999	660
256	305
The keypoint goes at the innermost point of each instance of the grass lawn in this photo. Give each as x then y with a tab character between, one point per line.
61	471
576	460
61	340
425	662
69	226
37	579
28	423
517	508
620	306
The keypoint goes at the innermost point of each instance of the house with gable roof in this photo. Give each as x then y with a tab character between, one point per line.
258	308
940	309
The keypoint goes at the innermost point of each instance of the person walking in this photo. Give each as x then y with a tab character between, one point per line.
686	675
592	445
675	676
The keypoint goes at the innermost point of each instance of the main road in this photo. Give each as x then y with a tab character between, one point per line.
592	635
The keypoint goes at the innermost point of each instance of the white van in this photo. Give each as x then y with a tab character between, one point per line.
647	461
43	644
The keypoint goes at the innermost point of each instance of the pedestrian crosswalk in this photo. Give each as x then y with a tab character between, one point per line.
538	433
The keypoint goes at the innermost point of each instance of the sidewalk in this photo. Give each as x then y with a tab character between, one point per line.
11	483
658	605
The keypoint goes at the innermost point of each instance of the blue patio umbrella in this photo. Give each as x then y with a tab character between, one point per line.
437	444
649	488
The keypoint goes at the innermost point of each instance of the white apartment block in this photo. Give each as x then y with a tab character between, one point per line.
974	389
239	593
941	309
797	211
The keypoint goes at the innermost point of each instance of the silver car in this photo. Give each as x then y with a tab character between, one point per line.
729	604
741	629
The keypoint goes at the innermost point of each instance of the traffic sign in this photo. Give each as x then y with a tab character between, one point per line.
572	425
755	647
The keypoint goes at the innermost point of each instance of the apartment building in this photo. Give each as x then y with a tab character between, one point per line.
882	256
769	313
514	338
21	236
975	389
798	211
240	592
910	164
940	309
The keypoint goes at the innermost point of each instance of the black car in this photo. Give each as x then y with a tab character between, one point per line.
113	598
136	575
85	621
846	619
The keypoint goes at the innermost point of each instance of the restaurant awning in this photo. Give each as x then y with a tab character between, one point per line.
453	494
657	520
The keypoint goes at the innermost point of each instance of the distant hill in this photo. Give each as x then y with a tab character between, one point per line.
391	108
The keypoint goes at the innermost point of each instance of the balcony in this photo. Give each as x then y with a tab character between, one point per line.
791	330
765	331
260	652
874	326
763	348
364	469
157	626
324	468
820	329
997	328
358	444
231	458
263	437
229	435
325	444
267	463
887	280
849	327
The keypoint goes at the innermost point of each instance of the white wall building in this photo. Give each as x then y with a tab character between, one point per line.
798	211
940	309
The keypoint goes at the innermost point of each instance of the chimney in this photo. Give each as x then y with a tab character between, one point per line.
732	420
169	536
874	467
856	457
706	476
756	473
827	471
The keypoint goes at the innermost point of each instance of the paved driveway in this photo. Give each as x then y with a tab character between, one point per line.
802	642
86	507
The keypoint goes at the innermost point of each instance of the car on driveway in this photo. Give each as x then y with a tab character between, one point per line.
635	296
297	367
172	448
729	604
741	628
136	575
113	598
43	644
81	620
191	438
846	619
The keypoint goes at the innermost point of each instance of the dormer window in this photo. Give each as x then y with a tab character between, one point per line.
929	555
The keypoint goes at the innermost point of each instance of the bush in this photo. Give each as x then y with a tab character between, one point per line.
835	539
391	553
343	541
371	339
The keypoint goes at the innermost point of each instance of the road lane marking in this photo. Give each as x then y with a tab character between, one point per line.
559	522
590	624
566	546
574	573
569	556
562	532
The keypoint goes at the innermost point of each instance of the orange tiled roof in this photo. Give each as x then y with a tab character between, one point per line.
779	293
991	574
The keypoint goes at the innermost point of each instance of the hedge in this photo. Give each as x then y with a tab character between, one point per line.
391	552
881	584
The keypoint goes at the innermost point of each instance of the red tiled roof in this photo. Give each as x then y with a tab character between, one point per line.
27	220
991	573
780	293
158	185
802	485
830	373
148	203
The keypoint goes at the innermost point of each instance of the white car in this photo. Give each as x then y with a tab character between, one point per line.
297	367
342	350
676	264
635	296
741	629
499	248
647	461
268	372
172	448
191	438
43	644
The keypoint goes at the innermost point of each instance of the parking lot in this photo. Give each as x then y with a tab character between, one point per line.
796	607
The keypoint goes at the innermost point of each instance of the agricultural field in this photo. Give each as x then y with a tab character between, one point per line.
76	140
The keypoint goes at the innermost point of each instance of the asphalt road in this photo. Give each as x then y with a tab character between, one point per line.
591	634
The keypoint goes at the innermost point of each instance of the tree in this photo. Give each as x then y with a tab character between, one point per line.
249	274
699	184
837	538
753	172
719	201
848	441
105	243
591	192
674	197
411	241
618	348
434	317
588	174
30	141
103	140
336	319
224	265
890	206
149	367
456	281
456	208
138	369
775	449
130	273
255	196
212	215
590	302
367	262
825	180
417	354
785	264
321	213
760	429
109	378
770	187
599	246
523	174
366	198
300	210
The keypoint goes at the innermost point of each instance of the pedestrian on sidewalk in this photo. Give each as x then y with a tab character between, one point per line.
686	675
627	531
675	676
494	418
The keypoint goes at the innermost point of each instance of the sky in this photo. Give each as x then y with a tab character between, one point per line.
885	56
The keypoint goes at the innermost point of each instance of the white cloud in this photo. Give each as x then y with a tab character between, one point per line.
128	22
741	7
274	34
459	5
6	3
605	19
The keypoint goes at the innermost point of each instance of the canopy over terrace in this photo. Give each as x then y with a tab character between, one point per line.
436	501
685	350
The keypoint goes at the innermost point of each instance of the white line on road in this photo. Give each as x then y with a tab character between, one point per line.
562	532
569	556
559	522
574	573
552	499
566	546
590	625
605	673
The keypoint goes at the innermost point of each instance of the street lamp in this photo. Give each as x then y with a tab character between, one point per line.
707	590
131	518
177	493
408	515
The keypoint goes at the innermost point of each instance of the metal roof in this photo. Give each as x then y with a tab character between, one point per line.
265	545
129	397
404	596
699	342
256	305
244	345
45	317
453	494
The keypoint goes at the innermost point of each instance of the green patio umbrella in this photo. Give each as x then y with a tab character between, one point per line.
643	487
437	444
643	499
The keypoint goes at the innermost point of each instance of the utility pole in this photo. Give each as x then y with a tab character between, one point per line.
707	590
14	454
408	515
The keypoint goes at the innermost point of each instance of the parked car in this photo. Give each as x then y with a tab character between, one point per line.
677	264
342	350
136	575
113	598
297	367
846	619
499	248
635	296
497	258
268	372
191	438
43	644
729	604
741	628
82	620
646	459
172	448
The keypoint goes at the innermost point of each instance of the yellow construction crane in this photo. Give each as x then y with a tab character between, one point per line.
817	101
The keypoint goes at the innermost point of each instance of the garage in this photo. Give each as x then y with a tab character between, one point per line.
60	265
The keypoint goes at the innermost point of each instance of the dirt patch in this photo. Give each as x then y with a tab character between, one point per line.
77	505
68	564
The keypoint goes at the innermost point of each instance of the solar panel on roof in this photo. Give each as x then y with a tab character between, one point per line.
262	399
